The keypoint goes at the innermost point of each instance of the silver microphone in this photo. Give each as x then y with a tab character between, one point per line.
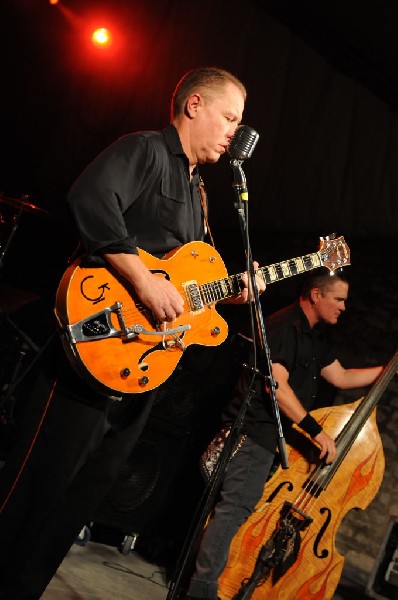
243	142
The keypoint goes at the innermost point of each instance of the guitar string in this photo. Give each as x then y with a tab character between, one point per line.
216	290
307	260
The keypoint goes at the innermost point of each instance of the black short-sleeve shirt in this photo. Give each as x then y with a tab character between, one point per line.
304	352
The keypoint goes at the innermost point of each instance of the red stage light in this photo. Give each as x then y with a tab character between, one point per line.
101	37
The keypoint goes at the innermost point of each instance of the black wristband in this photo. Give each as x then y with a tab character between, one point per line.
310	425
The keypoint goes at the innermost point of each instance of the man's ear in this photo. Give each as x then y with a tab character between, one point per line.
192	105
314	295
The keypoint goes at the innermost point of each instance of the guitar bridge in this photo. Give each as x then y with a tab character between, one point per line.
193	295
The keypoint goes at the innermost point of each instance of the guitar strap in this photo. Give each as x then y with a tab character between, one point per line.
203	201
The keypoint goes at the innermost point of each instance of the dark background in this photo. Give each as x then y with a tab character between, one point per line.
322	81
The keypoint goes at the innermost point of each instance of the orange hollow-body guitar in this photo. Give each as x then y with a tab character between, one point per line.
114	340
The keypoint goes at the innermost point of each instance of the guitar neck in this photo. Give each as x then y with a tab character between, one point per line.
221	289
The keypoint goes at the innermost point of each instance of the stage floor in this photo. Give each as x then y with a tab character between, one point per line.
100	572
97	571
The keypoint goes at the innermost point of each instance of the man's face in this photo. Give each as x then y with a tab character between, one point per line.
331	302
215	123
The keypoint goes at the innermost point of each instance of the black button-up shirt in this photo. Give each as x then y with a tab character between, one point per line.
138	193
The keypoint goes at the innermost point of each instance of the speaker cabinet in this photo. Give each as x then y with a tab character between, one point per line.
160	484
145	486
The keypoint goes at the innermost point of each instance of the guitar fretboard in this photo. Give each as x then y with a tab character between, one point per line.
220	289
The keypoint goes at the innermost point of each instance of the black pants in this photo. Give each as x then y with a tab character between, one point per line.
71	449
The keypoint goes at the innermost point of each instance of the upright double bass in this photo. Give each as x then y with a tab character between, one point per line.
286	549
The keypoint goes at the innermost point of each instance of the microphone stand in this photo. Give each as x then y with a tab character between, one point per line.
206	503
242	197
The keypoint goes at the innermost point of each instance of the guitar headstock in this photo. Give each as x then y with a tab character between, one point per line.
334	252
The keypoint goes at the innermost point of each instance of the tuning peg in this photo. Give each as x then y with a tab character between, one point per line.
327	238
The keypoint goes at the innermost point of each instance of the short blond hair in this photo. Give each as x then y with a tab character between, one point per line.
204	79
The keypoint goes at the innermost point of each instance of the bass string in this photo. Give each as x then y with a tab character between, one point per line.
309	496
296	519
306	500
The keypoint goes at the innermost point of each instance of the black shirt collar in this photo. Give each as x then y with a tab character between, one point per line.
173	142
304	324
